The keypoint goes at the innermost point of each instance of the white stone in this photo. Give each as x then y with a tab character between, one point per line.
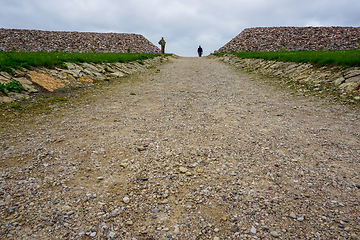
126	199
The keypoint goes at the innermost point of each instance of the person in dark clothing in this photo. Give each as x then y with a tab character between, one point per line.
162	44
200	51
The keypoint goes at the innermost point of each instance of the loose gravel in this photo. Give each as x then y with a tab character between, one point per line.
192	149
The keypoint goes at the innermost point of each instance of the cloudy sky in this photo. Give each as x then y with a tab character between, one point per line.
185	24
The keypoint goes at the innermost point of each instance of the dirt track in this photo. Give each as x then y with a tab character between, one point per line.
195	150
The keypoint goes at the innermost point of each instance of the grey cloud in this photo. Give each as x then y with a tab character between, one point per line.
185	24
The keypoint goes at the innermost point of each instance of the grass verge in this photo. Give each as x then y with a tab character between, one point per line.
346	58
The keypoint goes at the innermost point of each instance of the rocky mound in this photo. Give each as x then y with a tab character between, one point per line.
49	41
264	39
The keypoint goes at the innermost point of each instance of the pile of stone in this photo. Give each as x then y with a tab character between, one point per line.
264	39
50	41
49	80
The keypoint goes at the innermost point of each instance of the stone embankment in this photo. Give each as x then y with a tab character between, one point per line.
345	82
43	79
264	39
50	41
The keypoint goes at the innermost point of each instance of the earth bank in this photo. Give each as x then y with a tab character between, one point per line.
343	83
38	81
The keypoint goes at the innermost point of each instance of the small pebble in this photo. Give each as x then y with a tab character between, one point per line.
300	219
126	199
234	229
353	236
155	210
124	165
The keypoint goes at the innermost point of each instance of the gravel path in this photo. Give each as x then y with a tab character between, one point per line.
191	150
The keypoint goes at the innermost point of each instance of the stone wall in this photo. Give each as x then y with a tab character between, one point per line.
263	39
50	41
343	82
76	75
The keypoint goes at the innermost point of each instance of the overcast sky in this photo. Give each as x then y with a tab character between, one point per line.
185	24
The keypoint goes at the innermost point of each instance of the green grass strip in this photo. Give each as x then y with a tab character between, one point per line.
16	60
347	58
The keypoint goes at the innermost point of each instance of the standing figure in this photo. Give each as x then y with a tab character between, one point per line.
162	44
200	51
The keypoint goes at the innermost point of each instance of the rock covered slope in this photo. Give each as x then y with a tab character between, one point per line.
49	41
264	39
43	79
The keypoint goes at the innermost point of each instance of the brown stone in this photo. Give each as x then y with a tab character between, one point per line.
353	79
85	80
299	78
46	82
6	99
22	80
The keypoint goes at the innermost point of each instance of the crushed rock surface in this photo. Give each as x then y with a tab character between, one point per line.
194	150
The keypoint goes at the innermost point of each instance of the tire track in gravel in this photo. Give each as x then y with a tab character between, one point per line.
201	151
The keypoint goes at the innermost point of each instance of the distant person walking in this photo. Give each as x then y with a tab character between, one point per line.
162	44
200	51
